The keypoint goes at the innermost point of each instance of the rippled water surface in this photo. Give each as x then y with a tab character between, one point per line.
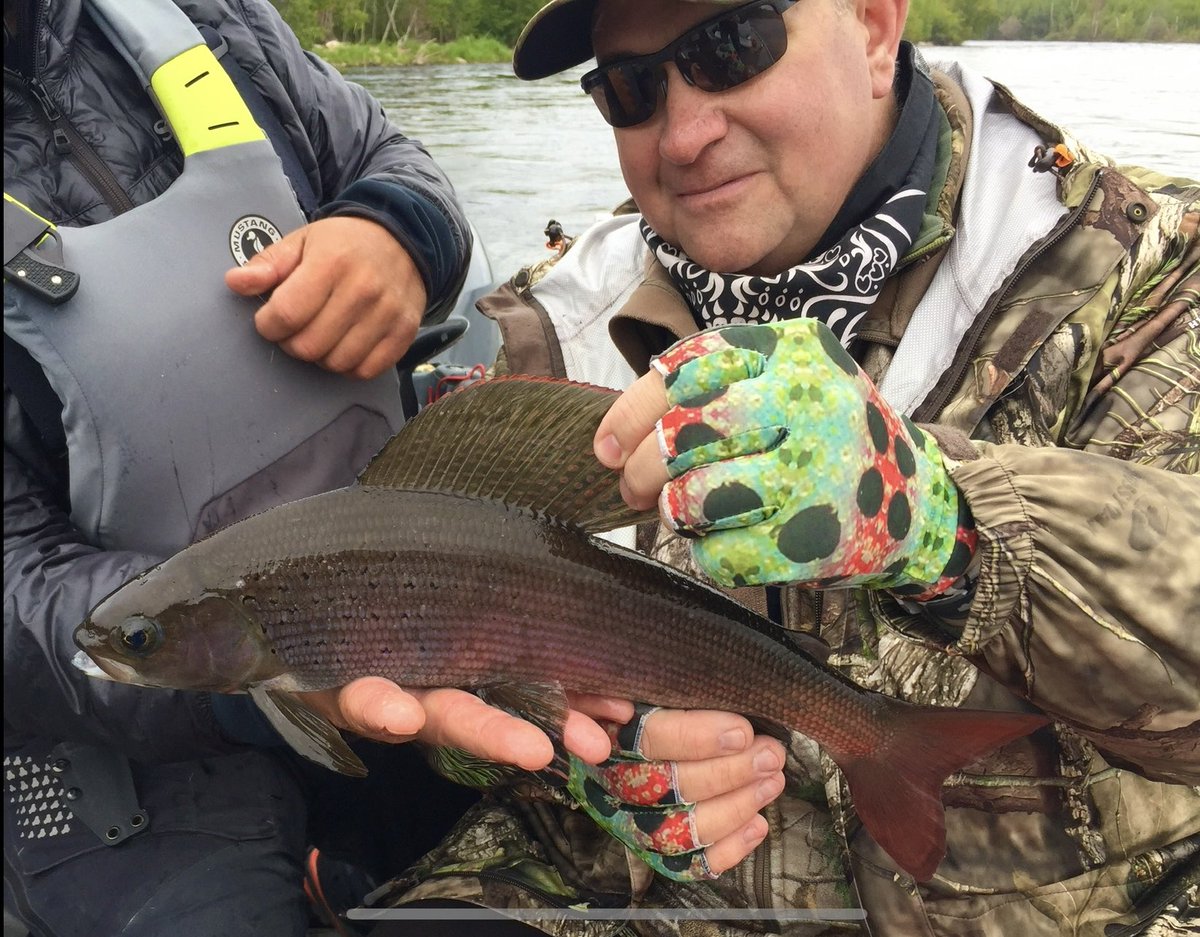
521	153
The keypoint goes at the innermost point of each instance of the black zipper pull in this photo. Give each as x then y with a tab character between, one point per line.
62	143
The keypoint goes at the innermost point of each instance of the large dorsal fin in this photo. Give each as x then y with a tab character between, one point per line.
525	441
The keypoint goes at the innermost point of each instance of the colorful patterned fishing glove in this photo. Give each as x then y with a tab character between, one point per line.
790	467
638	802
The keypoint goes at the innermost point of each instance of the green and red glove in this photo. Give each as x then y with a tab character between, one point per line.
632	798
637	800
789	467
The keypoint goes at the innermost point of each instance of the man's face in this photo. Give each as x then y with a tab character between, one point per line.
747	180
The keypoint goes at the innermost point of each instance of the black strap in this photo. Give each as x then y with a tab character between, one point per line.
266	118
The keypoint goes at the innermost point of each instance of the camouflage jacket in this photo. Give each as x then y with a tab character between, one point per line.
1070	402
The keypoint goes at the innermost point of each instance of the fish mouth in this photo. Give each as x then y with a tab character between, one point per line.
108	670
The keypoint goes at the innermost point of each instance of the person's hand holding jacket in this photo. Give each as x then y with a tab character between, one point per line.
344	294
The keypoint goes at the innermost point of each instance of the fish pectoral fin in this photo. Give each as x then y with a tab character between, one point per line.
545	706
469	770
776	730
311	735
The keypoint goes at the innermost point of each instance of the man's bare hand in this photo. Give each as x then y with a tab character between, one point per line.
343	294
376	708
727	771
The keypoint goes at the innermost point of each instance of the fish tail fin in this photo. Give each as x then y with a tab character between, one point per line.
897	789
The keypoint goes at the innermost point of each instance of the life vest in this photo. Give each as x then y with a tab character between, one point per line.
179	418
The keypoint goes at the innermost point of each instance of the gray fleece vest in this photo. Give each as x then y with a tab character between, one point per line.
179	417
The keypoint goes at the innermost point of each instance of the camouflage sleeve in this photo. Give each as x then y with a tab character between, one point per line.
1089	592
1144	404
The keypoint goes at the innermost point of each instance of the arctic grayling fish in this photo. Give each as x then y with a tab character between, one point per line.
464	557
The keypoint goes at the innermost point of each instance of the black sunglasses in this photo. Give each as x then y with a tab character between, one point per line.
718	54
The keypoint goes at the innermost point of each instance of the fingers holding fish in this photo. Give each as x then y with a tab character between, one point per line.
692	734
676	411
718	818
585	737
627	441
728	852
726	495
706	760
716	751
602	708
638	782
460	720
720	832
737	421
372	707
630	420
701	781
696	439
645	474
639	802
376	708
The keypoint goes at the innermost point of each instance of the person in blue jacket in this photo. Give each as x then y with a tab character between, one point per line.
225	304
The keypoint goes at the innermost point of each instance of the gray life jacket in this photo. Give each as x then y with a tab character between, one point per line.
179	418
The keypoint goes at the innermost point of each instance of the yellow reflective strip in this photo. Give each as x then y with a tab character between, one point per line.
24	207
50	227
201	104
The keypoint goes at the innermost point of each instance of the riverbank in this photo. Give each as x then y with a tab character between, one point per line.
467	50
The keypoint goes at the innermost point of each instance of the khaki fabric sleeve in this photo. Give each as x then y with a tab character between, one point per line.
1088	601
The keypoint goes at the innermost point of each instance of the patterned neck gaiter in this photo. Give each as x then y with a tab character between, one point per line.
838	285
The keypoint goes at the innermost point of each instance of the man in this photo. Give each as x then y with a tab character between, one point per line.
156	390
1010	520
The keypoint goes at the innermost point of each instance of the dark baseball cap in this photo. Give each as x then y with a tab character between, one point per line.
558	37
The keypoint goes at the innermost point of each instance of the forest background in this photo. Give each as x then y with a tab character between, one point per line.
387	32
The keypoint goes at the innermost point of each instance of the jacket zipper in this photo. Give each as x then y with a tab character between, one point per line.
762	874
930	408
69	143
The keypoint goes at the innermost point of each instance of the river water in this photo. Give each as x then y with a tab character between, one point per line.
520	153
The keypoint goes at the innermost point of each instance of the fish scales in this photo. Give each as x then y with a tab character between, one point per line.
430	589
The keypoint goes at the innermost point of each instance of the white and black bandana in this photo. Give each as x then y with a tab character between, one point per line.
839	285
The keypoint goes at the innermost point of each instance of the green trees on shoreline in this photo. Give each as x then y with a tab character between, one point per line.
382	22
390	21
949	22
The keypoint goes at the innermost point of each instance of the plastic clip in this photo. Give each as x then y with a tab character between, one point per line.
51	282
1056	159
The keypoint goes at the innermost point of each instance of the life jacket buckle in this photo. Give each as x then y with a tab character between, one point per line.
33	254
51	282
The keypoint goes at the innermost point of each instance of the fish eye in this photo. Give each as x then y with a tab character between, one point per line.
138	636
